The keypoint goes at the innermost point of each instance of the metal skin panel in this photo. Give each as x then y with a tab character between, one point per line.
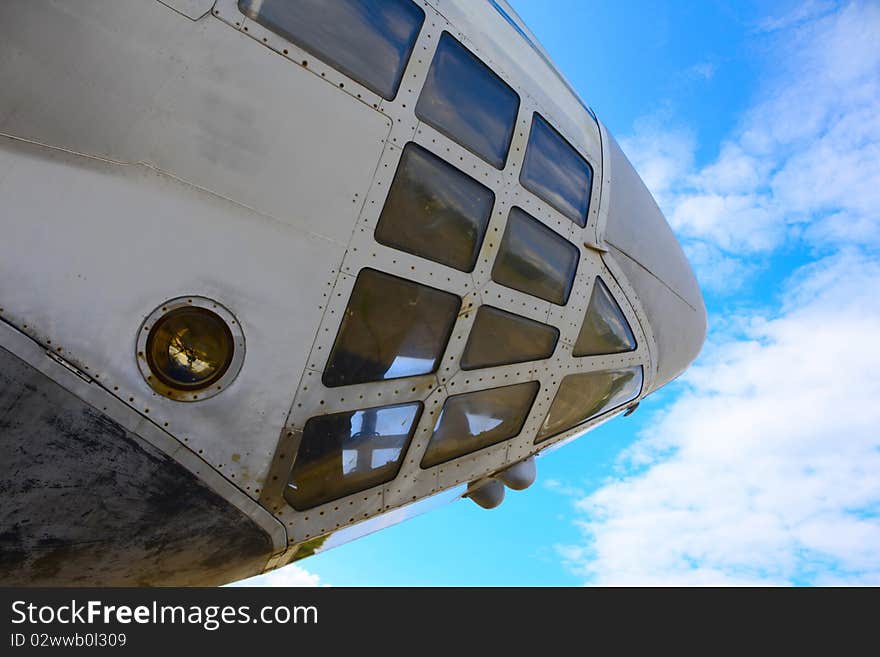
140	518
197	109
204	111
643	251
637	228
193	9
276	167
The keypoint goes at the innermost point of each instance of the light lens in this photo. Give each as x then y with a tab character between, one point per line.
189	348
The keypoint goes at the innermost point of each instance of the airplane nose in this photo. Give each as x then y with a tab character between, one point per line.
643	245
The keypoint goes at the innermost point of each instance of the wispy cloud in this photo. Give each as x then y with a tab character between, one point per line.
703	70
562	488
291	575
801	13
802	166
766	468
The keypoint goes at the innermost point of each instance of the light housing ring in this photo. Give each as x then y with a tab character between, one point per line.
190	348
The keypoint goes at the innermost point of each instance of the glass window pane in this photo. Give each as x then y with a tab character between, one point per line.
476	420
556	172
435	211
467	102
392	328
584	396
502	338
368	41
535	260
605	329
344	453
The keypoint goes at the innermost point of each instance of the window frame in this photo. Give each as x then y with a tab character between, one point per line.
574	250
599	283
445	131
490	308
535	385
537	116
333	63
603	412
421	150
404	450
340	326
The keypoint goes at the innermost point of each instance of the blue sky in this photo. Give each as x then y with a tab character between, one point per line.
757	127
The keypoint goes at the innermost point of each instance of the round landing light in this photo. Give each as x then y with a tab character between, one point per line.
190	349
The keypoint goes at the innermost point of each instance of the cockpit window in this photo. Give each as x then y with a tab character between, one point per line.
370	42
467	102
392	328
344	453
556	172
476	420
435	211
502	338
583	396
605	329
535	260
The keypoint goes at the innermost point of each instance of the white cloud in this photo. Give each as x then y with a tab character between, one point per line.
766	470
563	489
802	166
663	155
718	269
704	70
291	575
803	11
